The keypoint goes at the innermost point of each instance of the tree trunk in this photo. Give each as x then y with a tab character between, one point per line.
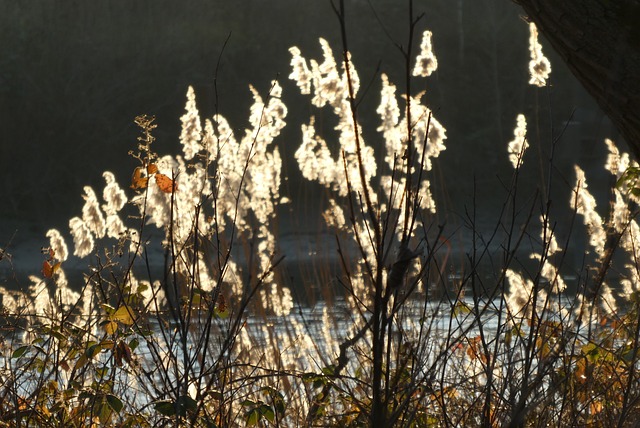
600	42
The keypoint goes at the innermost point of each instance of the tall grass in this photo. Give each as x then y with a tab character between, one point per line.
187	315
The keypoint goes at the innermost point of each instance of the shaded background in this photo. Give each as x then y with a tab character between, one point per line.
74	74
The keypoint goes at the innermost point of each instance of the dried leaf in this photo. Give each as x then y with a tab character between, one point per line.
222	303
47	269
139	180
165	184
221	309
22	403
125	352
64	365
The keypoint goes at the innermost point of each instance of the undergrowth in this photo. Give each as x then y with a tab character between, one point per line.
186	316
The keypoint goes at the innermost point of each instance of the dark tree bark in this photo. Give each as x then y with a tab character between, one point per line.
600	42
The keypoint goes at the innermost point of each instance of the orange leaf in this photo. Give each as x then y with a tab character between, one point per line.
22	403
152	168
49	268
64	365
165	184
138	179
222	303
221	310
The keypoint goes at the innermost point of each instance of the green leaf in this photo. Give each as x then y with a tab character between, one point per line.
507	336
102	372
85	395
142	287
267	412
54	332
321	409
329	370
82	361
185	403
252	417
222	314
320	382
248	403
215	394
104	413
182	404
165	407
277	399
133	344
20	351
315	379
196	299
114	402
93	350
461	308
591	351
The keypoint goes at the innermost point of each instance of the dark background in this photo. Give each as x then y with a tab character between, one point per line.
74	74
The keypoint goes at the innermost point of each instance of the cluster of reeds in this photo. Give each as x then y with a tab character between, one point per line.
186	317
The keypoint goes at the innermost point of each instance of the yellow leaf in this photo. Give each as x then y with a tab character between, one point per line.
45	411
110	327
107	344
124	315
